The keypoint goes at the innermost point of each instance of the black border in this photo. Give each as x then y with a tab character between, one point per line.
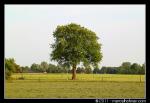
2	52
112	2
76	2
147	50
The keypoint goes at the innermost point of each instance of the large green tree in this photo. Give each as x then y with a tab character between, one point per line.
74	44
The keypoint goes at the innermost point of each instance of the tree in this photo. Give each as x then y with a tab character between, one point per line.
35	67
141	70
125	68
10	67
44	66
17	68
51	68
135	68
25	69
75	44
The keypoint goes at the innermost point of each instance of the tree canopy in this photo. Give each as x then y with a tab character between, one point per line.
75	44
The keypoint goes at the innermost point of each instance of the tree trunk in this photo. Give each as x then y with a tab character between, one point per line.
74	72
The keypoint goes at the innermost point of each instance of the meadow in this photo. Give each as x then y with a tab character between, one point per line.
39	85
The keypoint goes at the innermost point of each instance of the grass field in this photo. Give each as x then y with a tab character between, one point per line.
86	86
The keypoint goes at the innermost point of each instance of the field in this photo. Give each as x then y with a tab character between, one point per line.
86	86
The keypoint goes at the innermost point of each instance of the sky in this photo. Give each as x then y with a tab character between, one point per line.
29	29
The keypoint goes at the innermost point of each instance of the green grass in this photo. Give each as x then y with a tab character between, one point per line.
86	86
89	77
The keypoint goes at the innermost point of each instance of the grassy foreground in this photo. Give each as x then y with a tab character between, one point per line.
86	86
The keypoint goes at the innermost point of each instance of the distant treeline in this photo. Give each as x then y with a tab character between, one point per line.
125	68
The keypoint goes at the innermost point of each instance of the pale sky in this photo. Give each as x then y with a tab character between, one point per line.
29	29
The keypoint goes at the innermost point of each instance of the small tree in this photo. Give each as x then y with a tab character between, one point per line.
25	69
44	66
135	68
51	68
75	44
10	67
125	68
35	67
